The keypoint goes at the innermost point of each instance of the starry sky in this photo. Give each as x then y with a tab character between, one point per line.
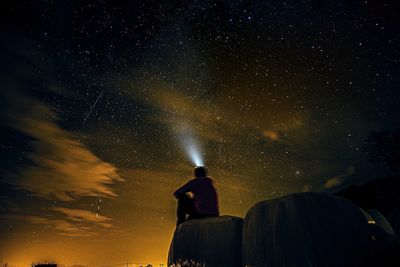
99	98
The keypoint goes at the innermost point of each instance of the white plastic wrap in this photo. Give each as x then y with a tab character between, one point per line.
208	242
306	229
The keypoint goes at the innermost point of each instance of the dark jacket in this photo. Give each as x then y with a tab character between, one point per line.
204	195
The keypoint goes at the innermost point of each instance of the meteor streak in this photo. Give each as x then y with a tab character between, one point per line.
91	109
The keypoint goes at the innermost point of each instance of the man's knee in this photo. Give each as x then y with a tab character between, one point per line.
184	196
184	200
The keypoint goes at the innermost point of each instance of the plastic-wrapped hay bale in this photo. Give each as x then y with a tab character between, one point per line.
381	221
212	242
306	229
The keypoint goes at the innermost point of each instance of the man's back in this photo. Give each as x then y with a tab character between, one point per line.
204	195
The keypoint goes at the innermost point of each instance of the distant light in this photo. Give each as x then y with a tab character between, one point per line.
371	222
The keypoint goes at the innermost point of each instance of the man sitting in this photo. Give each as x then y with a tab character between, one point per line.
204	202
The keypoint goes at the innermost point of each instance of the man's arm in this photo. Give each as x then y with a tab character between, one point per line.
184	189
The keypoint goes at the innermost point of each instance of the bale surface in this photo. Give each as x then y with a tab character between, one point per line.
212	242
306	229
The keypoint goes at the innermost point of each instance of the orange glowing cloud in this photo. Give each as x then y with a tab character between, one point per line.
62	227
339	180
62	167
271	135
81	215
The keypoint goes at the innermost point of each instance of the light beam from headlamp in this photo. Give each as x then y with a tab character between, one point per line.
191	148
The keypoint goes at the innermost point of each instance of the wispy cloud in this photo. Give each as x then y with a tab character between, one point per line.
80	215
70	229
60	226
307	188
62	167
272	135
68	222
64	227
339	179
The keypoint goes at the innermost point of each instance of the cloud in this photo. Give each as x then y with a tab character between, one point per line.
61	167
66	228
61	226
8	205
80	215
338	180
74	222
307	188
272	135
69	229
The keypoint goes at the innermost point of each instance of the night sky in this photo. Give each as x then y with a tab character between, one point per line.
99	99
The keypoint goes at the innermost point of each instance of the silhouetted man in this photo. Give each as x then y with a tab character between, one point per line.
204	202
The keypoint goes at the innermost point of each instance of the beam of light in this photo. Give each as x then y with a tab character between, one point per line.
191	148
194	154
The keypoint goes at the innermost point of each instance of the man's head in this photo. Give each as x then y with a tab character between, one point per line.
200	171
